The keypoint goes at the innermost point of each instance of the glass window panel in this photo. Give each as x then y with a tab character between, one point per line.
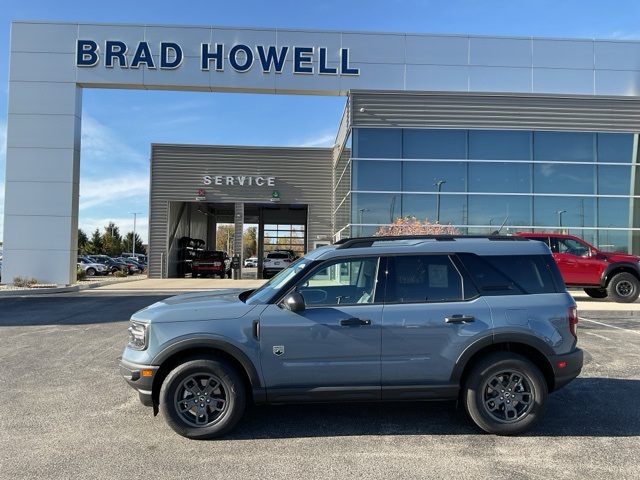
423	176
453	208
558	178
377	175
496	177
564	146
377	143
615	147
434	144
613	212
425	278
499	145
614	180
609	240
574	212
373	208
493	210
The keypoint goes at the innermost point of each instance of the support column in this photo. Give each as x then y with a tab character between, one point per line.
43	160
238	231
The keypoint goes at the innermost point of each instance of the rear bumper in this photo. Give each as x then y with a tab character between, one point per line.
566	367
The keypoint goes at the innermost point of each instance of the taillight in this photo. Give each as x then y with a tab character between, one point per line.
573	321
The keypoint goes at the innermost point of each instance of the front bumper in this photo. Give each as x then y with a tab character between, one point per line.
572	366
143	383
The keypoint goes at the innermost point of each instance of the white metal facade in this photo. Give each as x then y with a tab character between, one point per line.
48	73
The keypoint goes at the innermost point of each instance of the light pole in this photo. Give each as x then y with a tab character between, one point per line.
133	238
560	212
360	212
439	185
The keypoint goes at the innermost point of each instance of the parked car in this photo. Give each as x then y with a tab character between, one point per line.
132	265
485	321
112	264
251	262
601	274
130	261
276	261
211	262
91	268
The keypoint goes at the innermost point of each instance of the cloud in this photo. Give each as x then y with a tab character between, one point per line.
101	145
114	190
323	140
125	225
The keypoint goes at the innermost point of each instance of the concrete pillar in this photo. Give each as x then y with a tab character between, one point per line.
43	156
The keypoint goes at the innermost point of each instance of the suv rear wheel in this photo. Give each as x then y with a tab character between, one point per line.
202	399
623	288
505	394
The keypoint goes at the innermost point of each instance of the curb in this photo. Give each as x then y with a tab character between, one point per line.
69	289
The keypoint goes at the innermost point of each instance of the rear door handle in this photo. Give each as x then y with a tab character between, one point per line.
460	318
350	322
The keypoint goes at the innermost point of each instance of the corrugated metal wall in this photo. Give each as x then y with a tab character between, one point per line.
494	111
303	176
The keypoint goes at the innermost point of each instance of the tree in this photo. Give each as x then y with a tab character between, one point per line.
413	226
111	240
94	247
83	242
127	242
250	241
225	237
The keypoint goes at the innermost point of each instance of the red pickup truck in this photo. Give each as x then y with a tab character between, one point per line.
601	274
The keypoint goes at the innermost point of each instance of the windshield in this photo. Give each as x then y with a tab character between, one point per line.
265	292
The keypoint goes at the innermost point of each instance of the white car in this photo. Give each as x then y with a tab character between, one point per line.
91	268
275	261
251	262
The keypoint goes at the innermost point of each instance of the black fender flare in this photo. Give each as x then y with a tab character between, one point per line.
625	266
184	344
486	342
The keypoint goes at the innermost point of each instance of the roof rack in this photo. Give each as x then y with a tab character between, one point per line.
363	242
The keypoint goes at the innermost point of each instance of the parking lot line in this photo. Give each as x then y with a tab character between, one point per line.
610	326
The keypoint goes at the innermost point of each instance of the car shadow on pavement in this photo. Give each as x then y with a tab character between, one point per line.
82	310
587	407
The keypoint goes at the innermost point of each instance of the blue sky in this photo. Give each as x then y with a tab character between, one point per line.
119	126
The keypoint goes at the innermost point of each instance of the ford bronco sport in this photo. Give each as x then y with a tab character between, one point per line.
486	321
600	274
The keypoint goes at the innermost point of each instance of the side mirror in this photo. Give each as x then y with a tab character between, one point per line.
294	302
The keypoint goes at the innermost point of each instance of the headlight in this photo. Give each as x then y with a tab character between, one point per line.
138	336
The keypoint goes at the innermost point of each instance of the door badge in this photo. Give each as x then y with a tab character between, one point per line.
278	350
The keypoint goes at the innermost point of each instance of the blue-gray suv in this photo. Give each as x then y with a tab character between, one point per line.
487	321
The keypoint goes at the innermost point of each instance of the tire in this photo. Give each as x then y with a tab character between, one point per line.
623	288
596	292
220	389
90	272
520	402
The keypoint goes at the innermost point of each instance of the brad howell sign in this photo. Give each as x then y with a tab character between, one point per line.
169	56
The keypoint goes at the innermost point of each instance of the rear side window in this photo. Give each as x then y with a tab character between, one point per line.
426	278
278	255
511	275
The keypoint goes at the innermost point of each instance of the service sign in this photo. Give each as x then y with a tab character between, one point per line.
239	180
217	57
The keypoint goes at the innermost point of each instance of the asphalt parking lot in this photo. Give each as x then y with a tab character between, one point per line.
65	412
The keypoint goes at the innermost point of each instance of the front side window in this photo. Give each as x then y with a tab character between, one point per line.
572	247
345	281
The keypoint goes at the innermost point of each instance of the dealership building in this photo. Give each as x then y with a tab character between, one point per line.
482	133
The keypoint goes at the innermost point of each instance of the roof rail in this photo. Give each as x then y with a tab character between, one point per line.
363	242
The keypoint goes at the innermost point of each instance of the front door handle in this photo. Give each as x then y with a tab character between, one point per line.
460	318
350	322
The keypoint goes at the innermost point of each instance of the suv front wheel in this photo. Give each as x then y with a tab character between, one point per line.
623	288
505	394
202	399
